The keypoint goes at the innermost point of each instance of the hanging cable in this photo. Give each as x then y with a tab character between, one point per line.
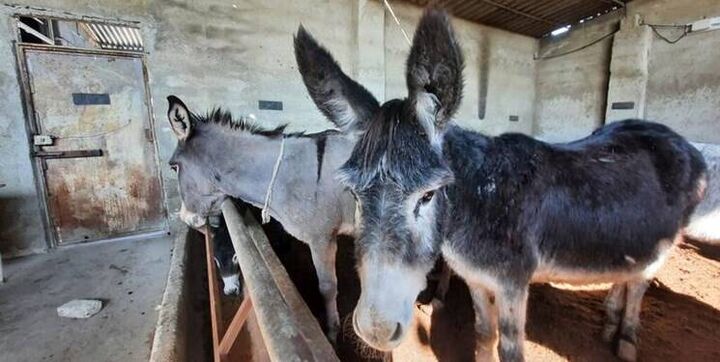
654	28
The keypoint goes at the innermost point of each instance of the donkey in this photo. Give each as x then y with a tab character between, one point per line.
225	258
503	211
218	157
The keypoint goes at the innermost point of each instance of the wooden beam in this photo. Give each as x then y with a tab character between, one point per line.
289	330
35	33
518	12
233	331
216	322
616	2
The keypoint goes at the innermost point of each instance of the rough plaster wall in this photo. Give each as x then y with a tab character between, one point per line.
572	89
683	88
19	205
510	71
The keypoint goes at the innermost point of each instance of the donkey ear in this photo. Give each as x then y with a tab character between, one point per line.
179	118
434	69
342	100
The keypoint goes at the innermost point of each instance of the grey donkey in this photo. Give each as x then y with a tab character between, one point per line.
218	157
503	211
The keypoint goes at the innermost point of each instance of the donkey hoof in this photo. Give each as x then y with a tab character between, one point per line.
609	332
626	350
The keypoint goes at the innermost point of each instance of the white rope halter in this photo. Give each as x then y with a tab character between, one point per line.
265	213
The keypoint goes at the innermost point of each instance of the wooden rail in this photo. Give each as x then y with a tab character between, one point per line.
288	328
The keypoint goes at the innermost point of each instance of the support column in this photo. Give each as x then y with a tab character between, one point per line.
628	71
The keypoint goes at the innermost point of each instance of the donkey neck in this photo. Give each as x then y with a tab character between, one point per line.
241	163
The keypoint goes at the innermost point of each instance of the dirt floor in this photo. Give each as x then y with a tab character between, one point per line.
128	276
680	316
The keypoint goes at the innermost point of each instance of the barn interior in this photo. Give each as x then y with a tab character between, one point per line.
89	208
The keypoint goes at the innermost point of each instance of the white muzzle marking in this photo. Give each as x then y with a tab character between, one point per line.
192	219
231	284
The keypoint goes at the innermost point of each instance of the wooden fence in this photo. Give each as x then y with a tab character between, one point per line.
289	330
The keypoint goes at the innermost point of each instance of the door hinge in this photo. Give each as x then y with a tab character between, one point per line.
149	135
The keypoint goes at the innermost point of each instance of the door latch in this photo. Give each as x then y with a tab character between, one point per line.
68	154
43	140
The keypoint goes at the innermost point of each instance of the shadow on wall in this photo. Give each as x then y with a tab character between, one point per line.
705	222
17	238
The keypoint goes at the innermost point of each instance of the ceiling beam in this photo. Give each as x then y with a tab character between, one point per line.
518	12
616	2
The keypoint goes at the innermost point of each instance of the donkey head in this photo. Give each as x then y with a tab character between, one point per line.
396	170
200	197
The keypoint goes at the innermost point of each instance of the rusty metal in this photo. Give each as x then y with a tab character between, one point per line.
38	163
68	154
289	330
143	185
529	17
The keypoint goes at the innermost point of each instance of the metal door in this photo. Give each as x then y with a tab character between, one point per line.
94	144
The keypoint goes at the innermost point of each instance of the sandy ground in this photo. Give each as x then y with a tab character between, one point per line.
129	276
680	316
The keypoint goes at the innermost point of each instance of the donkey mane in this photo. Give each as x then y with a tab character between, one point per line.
379	154
224	118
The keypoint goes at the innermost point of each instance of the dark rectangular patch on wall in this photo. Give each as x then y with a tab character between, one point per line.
270	105
86	99
514	118
623	105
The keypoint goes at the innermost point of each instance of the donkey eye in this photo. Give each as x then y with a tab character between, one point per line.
427	197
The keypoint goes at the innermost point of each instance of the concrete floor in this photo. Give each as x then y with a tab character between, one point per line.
129	276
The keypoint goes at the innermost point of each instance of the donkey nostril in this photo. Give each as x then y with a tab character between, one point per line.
397	334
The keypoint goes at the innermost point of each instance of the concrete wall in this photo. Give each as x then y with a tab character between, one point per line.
236	53
572	88
674	84
499	72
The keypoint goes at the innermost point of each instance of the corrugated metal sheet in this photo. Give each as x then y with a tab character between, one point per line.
115	37
535	18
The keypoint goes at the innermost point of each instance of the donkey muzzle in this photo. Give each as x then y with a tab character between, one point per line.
192	219
380	334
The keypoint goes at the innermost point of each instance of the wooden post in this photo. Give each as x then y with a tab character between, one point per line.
216	322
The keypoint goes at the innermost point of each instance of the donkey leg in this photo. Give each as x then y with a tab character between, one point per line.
627	343
512	308
614	305
323	256
485	322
